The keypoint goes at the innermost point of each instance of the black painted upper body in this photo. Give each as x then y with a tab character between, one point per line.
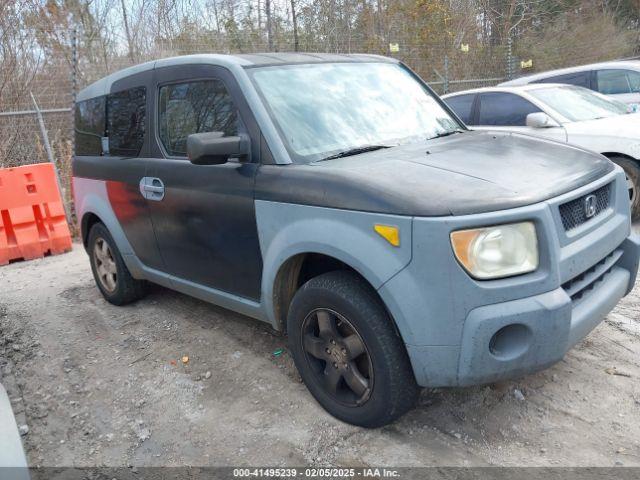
466	173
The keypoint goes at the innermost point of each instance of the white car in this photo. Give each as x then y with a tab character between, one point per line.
563	113
620	79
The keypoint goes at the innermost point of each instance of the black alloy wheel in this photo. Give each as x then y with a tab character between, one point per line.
348	351
338	356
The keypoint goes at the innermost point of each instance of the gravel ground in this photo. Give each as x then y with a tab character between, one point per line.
99	385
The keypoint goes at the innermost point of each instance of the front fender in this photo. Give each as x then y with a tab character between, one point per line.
608	144
286	230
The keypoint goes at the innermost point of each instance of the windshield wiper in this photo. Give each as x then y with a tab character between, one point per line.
354	151
446	134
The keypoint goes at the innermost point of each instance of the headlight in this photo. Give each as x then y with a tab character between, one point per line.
498	251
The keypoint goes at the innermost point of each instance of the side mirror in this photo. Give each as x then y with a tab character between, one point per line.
213	148
540	120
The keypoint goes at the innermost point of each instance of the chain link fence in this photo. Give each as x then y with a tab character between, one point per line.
36	99
45	84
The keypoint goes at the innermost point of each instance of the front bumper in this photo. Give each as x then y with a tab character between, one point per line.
459	331
513	338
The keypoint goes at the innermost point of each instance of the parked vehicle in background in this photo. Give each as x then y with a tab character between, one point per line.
620	80
338	198
560	112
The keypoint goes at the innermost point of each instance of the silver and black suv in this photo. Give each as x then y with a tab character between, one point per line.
337	198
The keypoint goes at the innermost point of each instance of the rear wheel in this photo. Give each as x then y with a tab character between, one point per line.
632	171
109	271
347	351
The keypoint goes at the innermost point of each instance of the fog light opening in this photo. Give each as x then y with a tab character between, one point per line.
510	342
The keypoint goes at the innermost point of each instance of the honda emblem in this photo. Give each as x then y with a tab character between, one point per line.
590	206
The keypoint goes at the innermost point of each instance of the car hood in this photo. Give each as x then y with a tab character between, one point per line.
466	173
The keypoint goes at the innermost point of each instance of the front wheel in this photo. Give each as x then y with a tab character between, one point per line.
348	352
632	171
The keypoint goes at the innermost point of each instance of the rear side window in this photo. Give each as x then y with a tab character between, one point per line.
581	79
463	106
613	82
504	109
126	121
90	126
194	107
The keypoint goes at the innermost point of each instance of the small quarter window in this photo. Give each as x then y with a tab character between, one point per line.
580	79
614	82
194	107
90	126
126	122
463	106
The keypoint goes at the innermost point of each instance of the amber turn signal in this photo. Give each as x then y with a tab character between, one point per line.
390	233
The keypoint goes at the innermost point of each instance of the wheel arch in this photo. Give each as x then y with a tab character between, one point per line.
611	155
301	267
89	219
632	178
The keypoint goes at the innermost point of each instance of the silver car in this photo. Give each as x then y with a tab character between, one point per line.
619	79
564	113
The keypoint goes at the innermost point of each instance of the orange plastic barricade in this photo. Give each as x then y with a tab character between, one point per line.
32	217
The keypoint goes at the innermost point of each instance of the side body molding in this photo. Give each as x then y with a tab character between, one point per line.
286	230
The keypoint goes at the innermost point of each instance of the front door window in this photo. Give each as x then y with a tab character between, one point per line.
194	107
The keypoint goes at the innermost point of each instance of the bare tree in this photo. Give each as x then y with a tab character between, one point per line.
294	19
267	8
127	31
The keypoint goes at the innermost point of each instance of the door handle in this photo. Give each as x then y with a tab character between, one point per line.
152	188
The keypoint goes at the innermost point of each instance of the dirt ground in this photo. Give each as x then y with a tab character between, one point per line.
96	384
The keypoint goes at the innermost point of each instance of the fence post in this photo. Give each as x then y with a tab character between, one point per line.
43	131
509	58
446	74
47	148
74	85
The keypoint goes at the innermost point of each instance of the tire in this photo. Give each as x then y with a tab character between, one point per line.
632	171
336	316
109	271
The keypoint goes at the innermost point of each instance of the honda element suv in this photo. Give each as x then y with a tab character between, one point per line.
337	198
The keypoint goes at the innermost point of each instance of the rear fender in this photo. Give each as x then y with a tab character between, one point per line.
91	197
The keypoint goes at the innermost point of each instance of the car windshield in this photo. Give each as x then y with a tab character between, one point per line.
578	104
325	110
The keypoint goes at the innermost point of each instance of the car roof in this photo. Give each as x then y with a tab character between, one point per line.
262	59
633	64
508	88
103	86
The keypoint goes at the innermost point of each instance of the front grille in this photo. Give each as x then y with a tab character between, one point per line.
580	286
574	214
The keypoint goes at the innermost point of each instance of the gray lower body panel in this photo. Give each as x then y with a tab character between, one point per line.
510	339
